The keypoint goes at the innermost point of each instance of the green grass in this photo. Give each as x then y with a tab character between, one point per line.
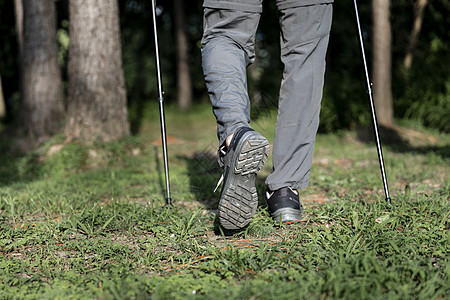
88	221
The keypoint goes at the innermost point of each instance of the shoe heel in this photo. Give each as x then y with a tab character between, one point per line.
253	156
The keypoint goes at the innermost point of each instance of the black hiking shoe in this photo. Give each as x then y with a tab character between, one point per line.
244	157
284	205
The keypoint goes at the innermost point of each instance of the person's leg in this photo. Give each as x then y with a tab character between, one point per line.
227	49
304	40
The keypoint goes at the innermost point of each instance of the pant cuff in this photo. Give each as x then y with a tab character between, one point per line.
294	186
219	4
296	3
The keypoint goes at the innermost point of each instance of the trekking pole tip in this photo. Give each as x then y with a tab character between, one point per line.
169	203
388	200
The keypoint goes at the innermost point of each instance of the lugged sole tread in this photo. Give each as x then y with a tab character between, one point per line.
239	201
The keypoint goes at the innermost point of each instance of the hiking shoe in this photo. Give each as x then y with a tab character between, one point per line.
244	157
284	205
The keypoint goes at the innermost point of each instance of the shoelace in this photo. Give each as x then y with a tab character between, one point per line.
218	184
223	152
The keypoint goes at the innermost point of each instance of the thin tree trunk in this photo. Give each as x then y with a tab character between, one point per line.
2	101
184	90
19	23
419	8
382	62
18	9
97	107
42	109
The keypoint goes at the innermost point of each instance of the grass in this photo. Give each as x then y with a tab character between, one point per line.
88	221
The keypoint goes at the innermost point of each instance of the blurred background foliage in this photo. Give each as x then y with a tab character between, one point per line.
421	93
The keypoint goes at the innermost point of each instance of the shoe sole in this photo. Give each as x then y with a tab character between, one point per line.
239	198
287	215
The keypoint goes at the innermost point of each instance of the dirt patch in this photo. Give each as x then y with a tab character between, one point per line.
317	198
171	140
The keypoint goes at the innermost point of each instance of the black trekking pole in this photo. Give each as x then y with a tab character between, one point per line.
372	108
161	108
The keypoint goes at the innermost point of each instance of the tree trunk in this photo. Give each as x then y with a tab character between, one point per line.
18	9
19	23
42	108
2	101
419	8
184	86
97	107
382	62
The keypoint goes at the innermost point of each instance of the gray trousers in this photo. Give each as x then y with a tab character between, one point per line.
228	48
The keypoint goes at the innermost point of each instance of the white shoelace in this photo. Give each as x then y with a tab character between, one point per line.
218	184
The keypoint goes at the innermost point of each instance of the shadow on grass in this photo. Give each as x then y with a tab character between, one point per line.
396	139
161	173
204	174
10	162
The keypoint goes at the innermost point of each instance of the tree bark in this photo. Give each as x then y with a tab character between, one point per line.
42	107
419	8
184	85
382	58
97	107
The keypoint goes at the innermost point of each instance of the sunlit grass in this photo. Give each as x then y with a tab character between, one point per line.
88	221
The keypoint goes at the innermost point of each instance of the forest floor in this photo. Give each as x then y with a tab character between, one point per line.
84	221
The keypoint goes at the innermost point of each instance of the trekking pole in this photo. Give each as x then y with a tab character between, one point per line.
161	107
372	109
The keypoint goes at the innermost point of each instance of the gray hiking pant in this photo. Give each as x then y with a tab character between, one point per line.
228	48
